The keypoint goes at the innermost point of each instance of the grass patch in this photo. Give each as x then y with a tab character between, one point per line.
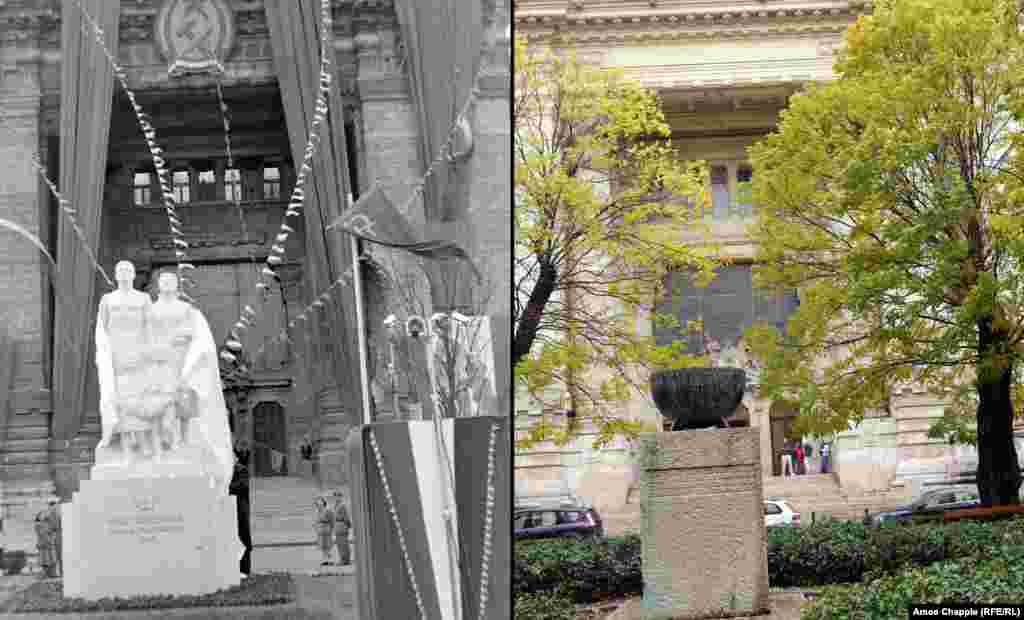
255	590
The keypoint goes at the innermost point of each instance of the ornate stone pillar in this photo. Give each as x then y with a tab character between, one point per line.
26	471
489	218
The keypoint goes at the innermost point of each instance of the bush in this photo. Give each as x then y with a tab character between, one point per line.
586	572
831	552
826	552
996	577
543	606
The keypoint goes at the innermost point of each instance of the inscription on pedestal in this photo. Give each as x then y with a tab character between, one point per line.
147	527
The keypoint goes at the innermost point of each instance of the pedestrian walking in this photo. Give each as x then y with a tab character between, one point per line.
342	526
787	460
801	466
826	452
324	525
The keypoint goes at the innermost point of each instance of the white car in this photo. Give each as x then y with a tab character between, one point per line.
778	514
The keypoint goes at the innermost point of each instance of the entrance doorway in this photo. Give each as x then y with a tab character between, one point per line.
270	446
781	417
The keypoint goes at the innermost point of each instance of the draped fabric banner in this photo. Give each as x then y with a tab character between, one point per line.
410	463
294	36
86	94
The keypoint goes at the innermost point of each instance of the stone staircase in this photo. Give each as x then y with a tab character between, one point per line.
821	495
817	494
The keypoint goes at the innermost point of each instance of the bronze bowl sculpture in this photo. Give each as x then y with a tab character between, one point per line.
696	398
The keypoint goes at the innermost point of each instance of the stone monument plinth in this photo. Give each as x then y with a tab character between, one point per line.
704	553
155	517
149	536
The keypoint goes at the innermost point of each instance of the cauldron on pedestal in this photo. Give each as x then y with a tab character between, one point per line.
696	398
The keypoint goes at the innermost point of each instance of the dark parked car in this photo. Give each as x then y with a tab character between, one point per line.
556	520
931	505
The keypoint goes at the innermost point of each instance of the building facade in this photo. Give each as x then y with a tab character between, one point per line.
724	71
232	170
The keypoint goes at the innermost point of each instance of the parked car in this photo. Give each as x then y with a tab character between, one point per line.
931	505
777	513
556	519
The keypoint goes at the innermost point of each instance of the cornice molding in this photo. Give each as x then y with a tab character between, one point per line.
24	20
629	23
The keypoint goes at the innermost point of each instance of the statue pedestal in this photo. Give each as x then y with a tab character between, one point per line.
704	553
149	536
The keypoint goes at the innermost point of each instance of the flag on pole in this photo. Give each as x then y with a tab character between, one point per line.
375	219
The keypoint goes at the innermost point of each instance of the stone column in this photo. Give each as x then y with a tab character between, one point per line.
26	472
388	137
490	197
704	551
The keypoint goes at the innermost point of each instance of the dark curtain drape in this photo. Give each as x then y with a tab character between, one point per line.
87	84
294	36
442	41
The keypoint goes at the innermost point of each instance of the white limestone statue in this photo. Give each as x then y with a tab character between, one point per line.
160	389
122	336
185	365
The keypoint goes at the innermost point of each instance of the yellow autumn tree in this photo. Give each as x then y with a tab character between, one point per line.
893	197
601	199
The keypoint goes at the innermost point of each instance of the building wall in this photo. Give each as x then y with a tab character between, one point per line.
724	72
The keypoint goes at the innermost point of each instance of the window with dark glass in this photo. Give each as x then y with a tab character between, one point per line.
142	188
232	184
206	189
727	307
180	185
271	183
744	207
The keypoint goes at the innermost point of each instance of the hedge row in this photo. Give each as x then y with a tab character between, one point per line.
543	606
828	552
585	572
846	551
995	577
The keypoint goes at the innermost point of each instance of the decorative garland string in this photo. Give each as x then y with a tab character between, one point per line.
298	193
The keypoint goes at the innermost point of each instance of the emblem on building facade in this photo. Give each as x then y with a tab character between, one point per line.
195	36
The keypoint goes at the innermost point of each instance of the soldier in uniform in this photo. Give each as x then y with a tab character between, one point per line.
44	544
342	525
54	530
324	526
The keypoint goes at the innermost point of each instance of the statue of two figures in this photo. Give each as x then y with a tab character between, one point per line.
160	388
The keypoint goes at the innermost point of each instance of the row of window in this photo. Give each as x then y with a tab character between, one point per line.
200	185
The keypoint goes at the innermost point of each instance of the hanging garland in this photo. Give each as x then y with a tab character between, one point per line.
445	155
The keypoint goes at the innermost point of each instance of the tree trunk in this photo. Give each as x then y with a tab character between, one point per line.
529	322
998	469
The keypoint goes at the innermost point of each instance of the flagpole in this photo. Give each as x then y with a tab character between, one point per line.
357	283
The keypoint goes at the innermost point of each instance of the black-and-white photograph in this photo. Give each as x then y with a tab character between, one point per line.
255	309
